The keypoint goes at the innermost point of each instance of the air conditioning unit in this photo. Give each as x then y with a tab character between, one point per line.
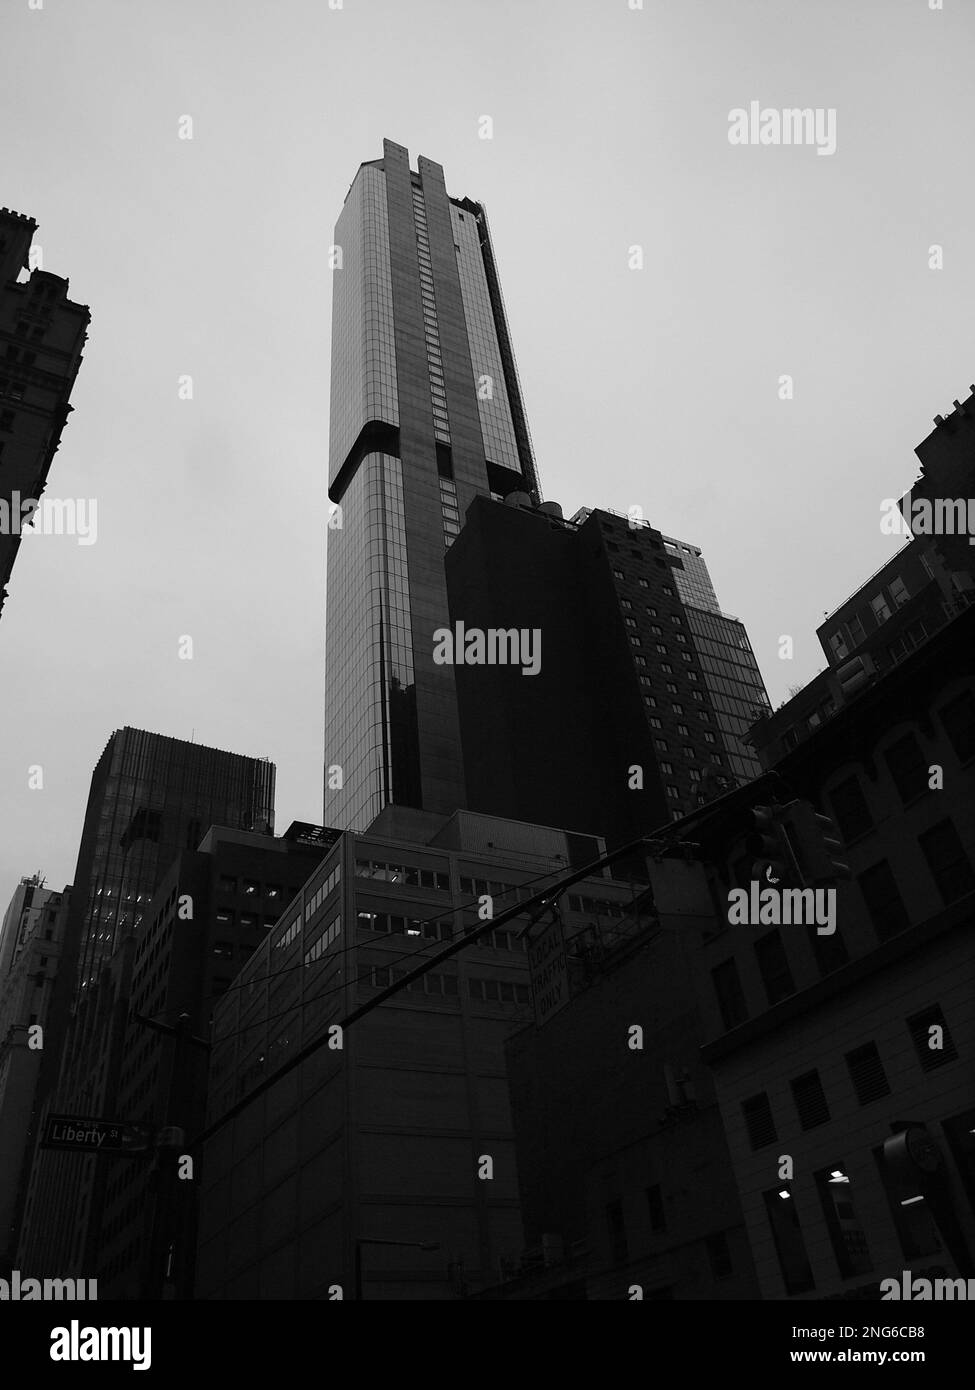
855	675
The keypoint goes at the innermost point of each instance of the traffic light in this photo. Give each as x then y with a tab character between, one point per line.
768	844
817	843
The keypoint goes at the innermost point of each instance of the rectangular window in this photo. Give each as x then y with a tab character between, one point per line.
757	1114
898	591
837	642
790	1247
908	767
867	1073
727	987
947	861
774	967
846	1233
883	900
958	718
880	609
810	1100
830	952
932	1041
850	809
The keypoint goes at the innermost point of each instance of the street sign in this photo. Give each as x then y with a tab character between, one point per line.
88	1135
549	972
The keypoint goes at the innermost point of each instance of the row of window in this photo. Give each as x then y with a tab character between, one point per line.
500	940
948	864
247	920
322	893
404	926
867	1076
491	888
597	907
908	766
250	887
329	935
407	874
952	873
432	982
645	583
499	991
883	603
915	1223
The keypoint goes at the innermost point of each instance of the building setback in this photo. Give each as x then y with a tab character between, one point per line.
634	714
926	584
426	414
150	798
398	1134
43	333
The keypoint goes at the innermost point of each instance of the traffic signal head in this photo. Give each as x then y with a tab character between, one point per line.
818	845
768	844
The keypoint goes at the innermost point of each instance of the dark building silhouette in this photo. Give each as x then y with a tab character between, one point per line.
151	797
625	1176
852	1052
947	458
213	908
30	956
641	693
346	1166
43	333
426	413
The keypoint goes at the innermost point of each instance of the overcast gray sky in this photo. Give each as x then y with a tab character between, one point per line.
657	387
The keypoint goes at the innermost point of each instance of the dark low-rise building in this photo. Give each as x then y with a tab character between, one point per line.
843	1059
626	1183
383	1165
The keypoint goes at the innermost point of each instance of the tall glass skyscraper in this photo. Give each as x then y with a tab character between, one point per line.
151	797
426	414
731	673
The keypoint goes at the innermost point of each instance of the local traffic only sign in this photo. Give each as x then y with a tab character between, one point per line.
88	1135
549	972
